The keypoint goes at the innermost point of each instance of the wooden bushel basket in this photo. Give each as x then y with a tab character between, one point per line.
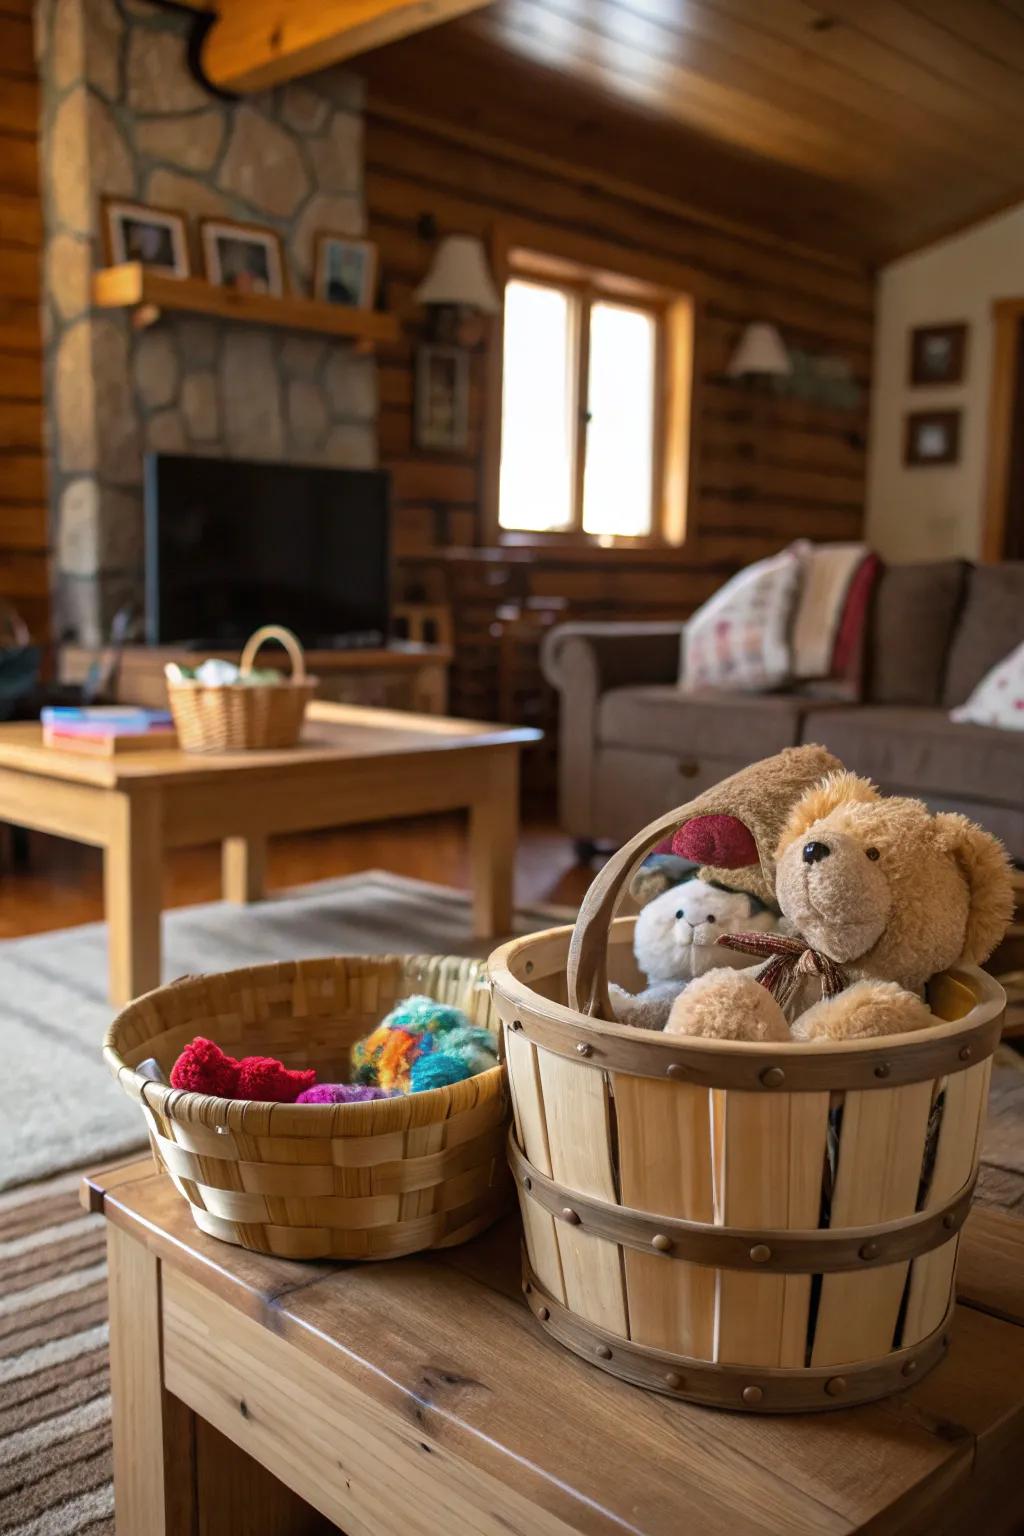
320	1181
241	717
673	1189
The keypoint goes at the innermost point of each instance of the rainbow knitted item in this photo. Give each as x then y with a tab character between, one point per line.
423	1044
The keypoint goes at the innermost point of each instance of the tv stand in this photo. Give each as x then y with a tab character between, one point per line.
398	675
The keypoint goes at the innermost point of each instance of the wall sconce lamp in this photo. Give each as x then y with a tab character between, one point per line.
459	292
760	356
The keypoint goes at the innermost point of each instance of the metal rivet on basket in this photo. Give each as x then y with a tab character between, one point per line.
909	1368
869	1251
528	967
949	1220
571	1216
760	1253
675	1069
673	1380
584	1049
752	1396
543	1314
527	1184
771	1077
603	1352
835	1386
965	1053
883	1069
661	1242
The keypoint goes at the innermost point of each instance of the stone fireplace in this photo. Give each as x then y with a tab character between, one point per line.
123	116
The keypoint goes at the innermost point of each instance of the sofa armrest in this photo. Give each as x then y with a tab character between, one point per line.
583	661
612	654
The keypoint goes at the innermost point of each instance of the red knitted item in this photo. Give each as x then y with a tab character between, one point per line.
203	1067
721	841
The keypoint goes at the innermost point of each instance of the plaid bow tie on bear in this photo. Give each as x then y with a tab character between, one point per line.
788	961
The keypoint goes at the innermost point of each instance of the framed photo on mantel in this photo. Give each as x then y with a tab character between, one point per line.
938	353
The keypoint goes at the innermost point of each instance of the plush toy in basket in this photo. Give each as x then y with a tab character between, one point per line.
218	707
758	1207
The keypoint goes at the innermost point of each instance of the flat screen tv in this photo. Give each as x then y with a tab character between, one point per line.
232	545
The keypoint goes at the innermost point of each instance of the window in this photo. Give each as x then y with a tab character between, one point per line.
585	421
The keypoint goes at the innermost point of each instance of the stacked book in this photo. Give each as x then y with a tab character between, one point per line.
106	729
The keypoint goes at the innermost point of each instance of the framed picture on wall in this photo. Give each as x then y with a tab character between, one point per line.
441	410
245	257
345	271
938	353
156	237
931	437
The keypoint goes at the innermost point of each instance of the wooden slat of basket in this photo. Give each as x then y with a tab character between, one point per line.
772	1158
579	1137
881	1149
532	1135
664	1144
956	1157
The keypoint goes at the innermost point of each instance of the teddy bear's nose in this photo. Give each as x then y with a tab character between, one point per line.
815	852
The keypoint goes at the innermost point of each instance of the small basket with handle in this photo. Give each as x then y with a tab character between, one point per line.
234	717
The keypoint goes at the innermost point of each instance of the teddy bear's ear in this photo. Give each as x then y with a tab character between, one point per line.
986	867
822	799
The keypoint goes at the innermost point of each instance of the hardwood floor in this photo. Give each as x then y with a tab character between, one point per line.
62	884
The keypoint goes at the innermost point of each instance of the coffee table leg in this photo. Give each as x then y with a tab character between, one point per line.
243	868
133	886
493	832
153	1432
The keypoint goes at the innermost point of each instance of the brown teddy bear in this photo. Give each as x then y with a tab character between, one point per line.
884	896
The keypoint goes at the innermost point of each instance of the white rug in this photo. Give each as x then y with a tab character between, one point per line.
59	1107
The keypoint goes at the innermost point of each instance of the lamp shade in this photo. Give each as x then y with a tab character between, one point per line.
760	350
459	275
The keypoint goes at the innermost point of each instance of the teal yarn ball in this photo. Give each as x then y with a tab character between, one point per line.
436	1070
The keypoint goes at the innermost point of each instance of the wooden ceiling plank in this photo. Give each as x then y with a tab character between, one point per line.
627	58
875	64
255	44
790	56
917	41
981	25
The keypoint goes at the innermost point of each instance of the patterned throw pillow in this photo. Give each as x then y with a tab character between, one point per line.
999	697
739	639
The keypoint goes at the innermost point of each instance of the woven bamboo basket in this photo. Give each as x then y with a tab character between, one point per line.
311	1181
234	717
762	1227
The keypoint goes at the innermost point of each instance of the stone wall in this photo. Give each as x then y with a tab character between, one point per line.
123	117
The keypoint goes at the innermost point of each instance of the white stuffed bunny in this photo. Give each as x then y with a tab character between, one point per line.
675	940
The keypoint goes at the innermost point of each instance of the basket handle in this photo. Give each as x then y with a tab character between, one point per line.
291	643
587	965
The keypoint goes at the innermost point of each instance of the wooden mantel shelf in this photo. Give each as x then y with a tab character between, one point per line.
148	293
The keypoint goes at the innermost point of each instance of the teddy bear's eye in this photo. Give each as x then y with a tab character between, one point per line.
873	854
710	917
679	914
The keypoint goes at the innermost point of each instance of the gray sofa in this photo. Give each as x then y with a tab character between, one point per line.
632	745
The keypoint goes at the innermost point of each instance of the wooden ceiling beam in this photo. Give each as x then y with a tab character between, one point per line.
254	44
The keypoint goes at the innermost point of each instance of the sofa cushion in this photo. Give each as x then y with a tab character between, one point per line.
991	627
921	752
913	623
739	725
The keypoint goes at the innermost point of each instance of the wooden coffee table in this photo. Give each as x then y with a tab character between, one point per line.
417	1397
353	765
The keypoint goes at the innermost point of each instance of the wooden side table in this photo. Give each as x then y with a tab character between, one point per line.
417	1397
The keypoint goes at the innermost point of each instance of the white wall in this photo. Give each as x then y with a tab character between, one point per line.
936	512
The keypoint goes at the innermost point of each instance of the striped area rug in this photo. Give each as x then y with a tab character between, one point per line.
55	1470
